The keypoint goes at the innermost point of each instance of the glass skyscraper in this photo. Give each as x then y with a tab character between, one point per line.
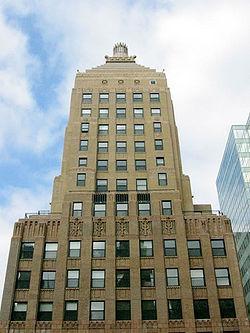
233	186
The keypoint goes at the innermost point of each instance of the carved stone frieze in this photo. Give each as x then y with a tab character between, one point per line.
76	228
203	322
150	324
168	226
176	323
70	324
17	324
44	324
96	324
145	227
99	228
18	229
230	322
123	324
122	228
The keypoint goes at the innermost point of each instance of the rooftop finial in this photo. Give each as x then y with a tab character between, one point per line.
120	54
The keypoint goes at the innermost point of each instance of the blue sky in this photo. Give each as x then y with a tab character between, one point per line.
202	45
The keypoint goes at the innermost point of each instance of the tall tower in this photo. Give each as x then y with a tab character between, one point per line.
123	248
233	186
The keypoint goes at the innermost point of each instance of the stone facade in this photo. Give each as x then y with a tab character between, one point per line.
156	207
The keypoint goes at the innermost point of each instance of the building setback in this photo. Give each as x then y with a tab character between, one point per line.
233	186
124	248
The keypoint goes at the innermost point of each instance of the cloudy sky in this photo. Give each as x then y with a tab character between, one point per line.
204	47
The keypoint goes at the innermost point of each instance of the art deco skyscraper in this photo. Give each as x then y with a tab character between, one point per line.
124	248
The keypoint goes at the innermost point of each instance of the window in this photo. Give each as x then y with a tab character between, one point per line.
160	161
121	209
172	275
83	161
144	209
201	309
170	247
73	278
84	145
197	277
103	97
45	311
101	185
140	165
103	147
121	185
123	310
81	179
152	81
227	309
139	129
120	129
50	250
86	112
154	96
48	280
19	311
98	249
85	127
141	185
71	311
74	249
86	97
138	113
27	250
77	209
121	165
222	277
157	127
121	146
103	113
102	165
194	248
120	113
137	97
155	112
218	247
158	144
99	210
147	278
97	278
166	206
162	179
140	146
120	97
103	129
146	248
97	310
148	310
122	278
122	248
174	309
23	280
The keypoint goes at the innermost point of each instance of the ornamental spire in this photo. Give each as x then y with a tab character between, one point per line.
120	54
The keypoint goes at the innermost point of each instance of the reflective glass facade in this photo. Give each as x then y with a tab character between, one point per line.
233	186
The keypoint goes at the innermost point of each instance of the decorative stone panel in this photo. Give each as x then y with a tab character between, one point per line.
173	292
25	264
52	229
98	263
21	294
171	261
196	262
122	262
18	229
76	228
33	229
147	262
98	293
145	227
97	324
73	263
152	324
203	322
46	294
213	225
148	293
43	325
70	324
225	292
122	228
99	228
176	324
199	293
168	226
123	324
49	264
72	293
123	293
230	322
17	324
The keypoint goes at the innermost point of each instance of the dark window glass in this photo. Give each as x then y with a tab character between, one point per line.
121	165
27	250
137	97
74	249
158	144
157	127
19	311
97	310
123	310
120	113
218	247
98	249
194	248
102	165
160	161
121	185
162	179
174	309
154	96
23	280
149	310
140	165
170	247
138	129
101	185
122	278
121	146
166	206
139	146
85	127
48	280
146	248
120	97
227	309
81	179
172	276
147	278
71	311
122	248
201	309
45	311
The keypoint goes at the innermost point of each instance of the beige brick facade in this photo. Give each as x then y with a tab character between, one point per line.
133	292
